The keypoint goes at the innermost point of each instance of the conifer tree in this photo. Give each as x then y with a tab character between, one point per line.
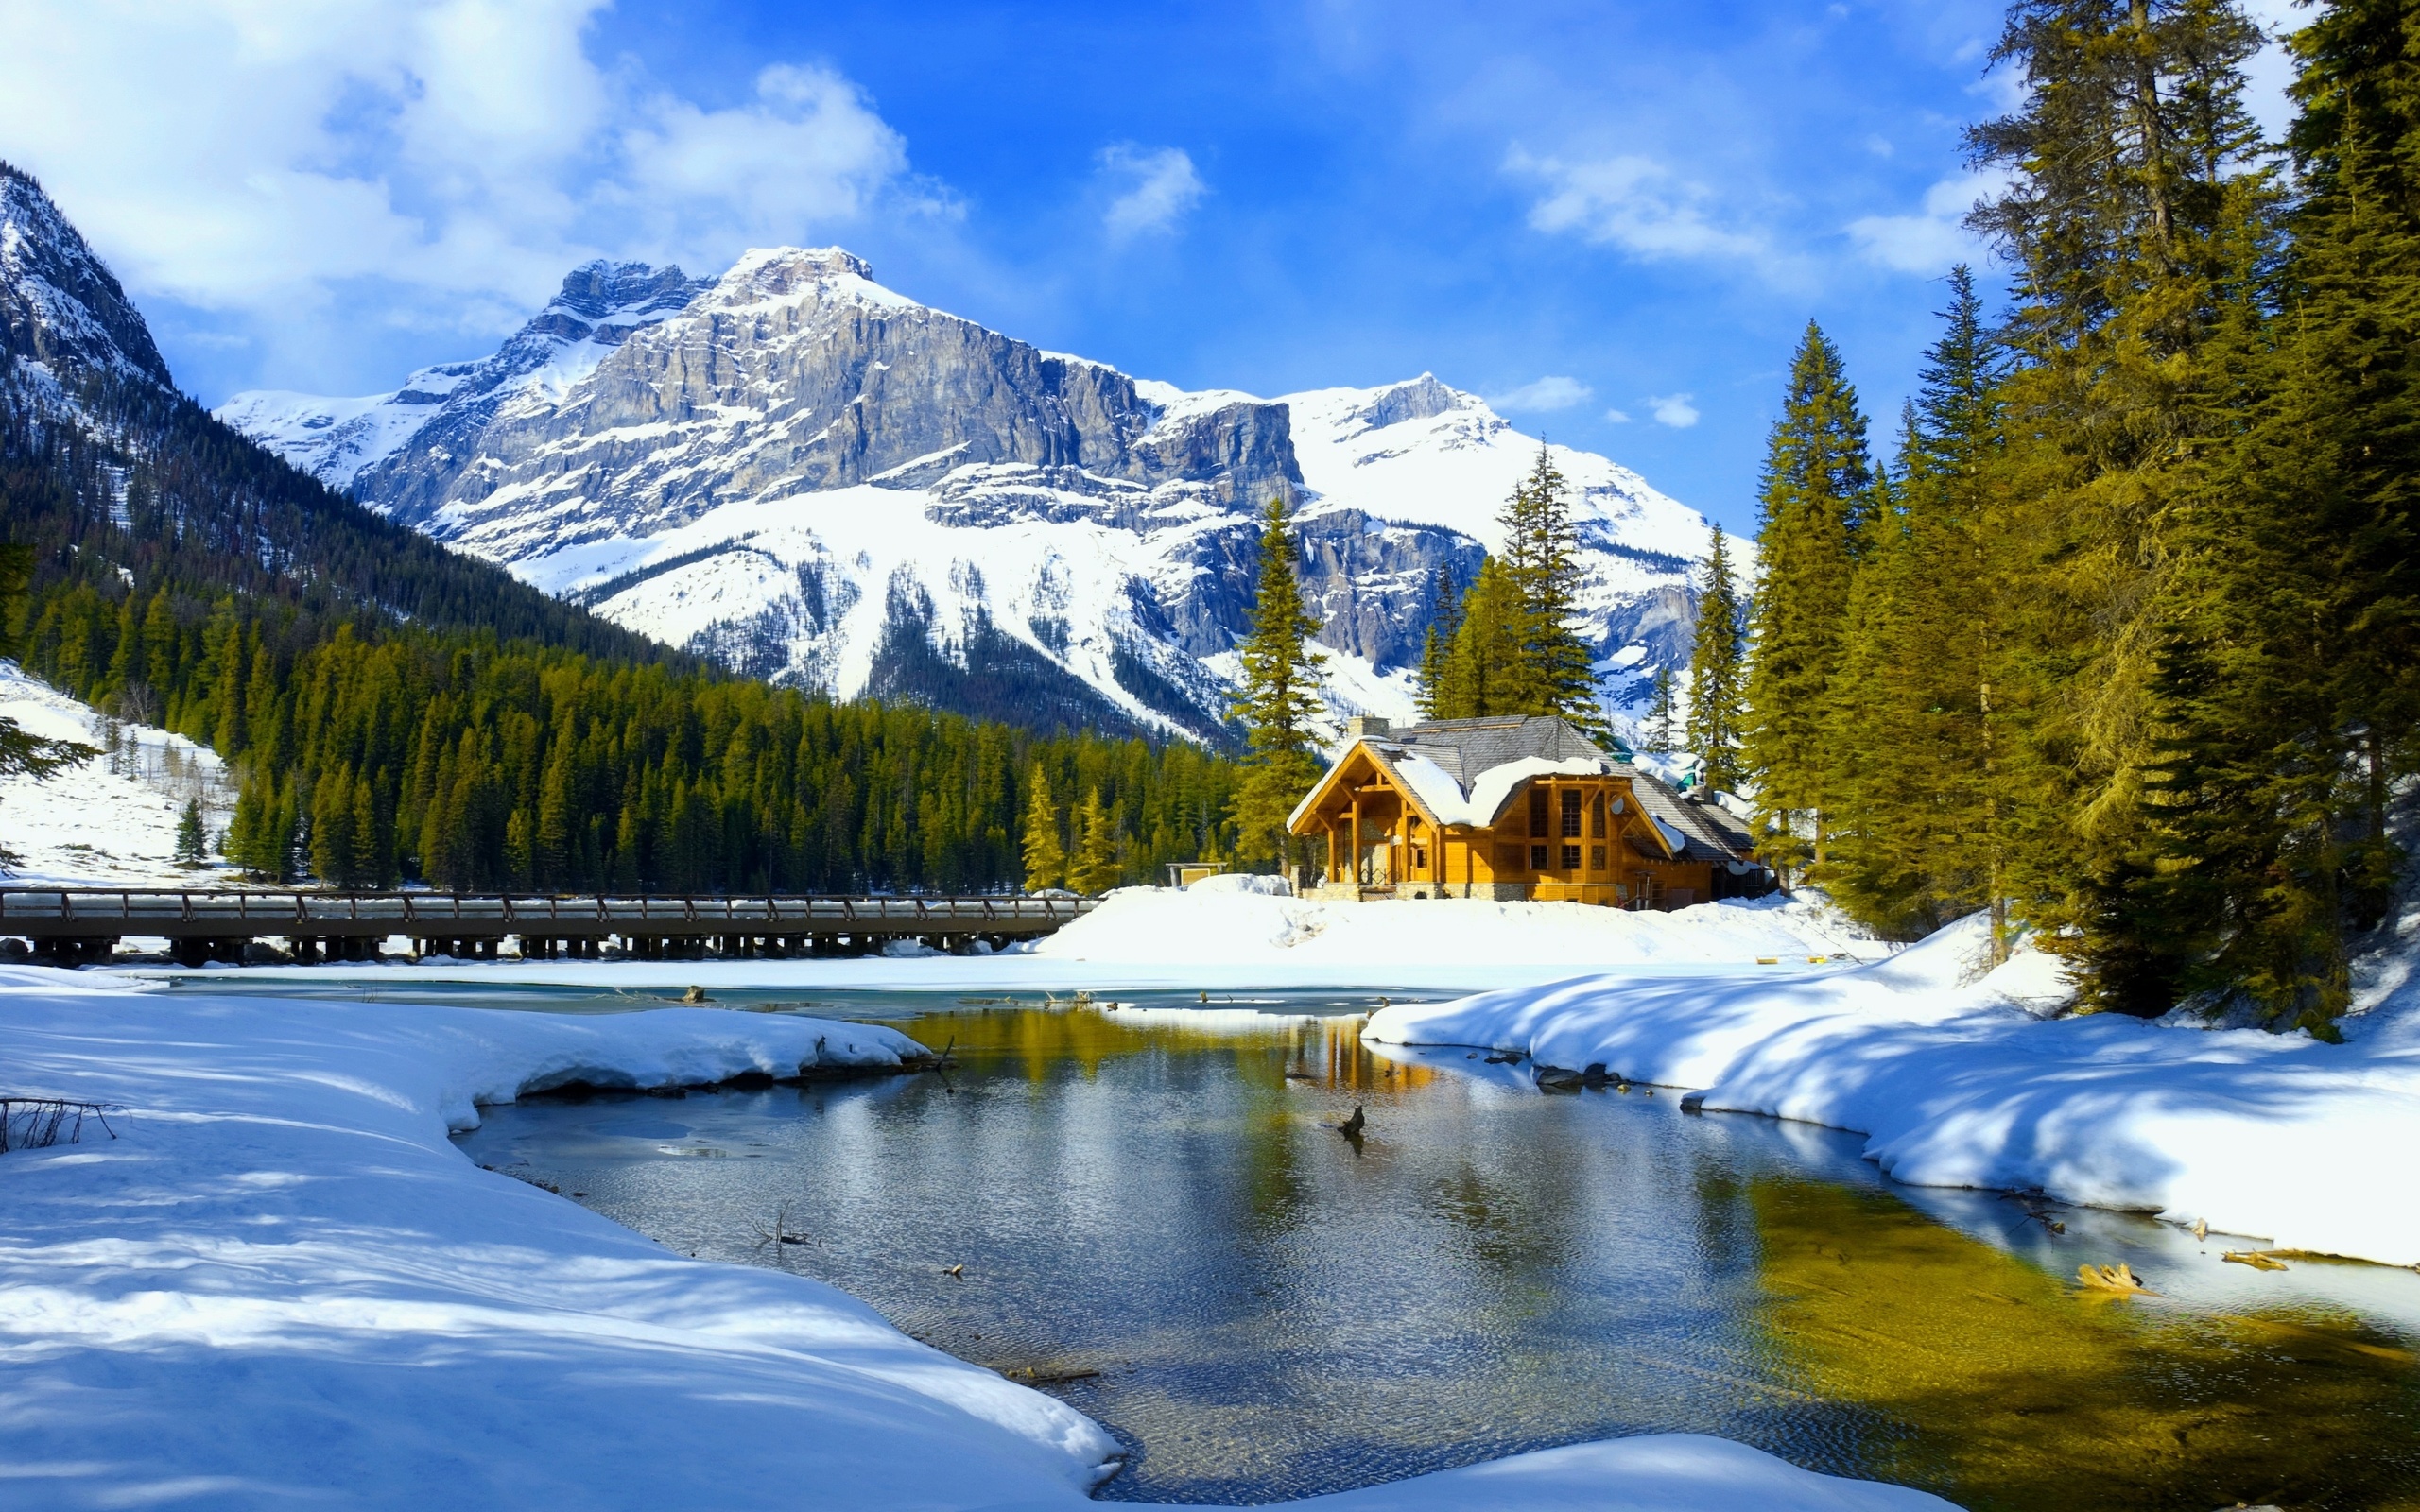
1484	673
1096	868
1555	672
1435	648
1717	673
1277	700
2136	216
193	840
1816	494
1662	715
1046	858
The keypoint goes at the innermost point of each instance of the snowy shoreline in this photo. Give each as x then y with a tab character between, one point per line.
1963	1079
283	1281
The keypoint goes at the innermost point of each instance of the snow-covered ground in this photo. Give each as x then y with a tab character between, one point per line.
110	821
281	1283
1223	926
1958	1080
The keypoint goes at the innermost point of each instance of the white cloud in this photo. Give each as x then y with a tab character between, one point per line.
1634	203
1933	239
1617	417
261	161
1543	394
1672	409
1158	188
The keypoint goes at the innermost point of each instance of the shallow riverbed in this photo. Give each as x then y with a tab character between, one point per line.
1147	1210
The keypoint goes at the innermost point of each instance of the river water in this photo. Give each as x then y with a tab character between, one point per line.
1146	1207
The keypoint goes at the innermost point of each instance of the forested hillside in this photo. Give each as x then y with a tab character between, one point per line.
398	711
2120	641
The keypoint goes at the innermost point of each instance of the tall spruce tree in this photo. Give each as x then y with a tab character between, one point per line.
1277	700
2134	217
1484	672
1094	867
1817	492
1437	644
1915	838
1555	671
2282	703
1717	671
1045	856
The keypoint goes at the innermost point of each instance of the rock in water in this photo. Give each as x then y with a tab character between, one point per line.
1350	1128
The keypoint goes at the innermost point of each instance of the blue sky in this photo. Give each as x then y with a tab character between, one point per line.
1615	218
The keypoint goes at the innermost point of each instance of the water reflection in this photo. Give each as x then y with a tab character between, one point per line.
1156	1192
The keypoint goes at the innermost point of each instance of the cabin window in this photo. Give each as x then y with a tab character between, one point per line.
1537	813
1419	855
1596	818
1572	858
1597	856
1537	858
1571	815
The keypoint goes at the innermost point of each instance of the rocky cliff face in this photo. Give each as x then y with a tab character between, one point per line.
812	477
59	304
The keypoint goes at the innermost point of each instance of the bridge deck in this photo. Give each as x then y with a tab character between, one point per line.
87	917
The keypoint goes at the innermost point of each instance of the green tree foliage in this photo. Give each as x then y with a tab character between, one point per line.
1437	646
193	839
1914	835
1662	715
2139	216
1556	670
1717	671
1276	701
1094	867
1046	855
1483	673
1817	492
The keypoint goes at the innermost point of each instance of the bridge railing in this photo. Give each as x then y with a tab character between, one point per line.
146	911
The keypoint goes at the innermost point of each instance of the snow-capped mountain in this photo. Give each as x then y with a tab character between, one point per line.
812	477
60	305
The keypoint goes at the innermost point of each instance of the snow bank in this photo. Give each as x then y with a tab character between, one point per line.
282	1283
1960	1082
1160	926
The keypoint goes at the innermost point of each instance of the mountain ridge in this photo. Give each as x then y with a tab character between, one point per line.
812	477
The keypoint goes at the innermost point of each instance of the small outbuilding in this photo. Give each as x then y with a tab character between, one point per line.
1516	808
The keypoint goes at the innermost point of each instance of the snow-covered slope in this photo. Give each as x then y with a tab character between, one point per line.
813	477
60	305
110	821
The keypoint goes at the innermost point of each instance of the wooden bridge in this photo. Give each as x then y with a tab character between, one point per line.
77	924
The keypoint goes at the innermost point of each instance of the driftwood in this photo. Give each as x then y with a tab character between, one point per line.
2254	1259
2119	1279
38	1123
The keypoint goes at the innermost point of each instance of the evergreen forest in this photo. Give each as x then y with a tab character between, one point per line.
2117	639
398	713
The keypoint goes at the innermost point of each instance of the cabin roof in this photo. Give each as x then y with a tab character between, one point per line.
1516	748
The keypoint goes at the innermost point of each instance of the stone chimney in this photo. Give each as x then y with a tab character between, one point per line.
1366	725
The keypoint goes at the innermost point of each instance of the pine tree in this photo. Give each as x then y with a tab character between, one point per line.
1484	673
1435	648
1716	673
193	840
1661	715
1817	492
2134	216
1097	867
1555	669
1277	700
1046	858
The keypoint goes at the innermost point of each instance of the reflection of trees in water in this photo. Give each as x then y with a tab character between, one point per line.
2004	1388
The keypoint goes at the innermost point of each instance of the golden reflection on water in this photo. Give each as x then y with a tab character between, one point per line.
2009	1388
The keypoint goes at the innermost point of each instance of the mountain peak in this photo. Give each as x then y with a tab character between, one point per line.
789	274
59	304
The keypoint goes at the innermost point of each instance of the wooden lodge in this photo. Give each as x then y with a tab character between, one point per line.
1516	808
